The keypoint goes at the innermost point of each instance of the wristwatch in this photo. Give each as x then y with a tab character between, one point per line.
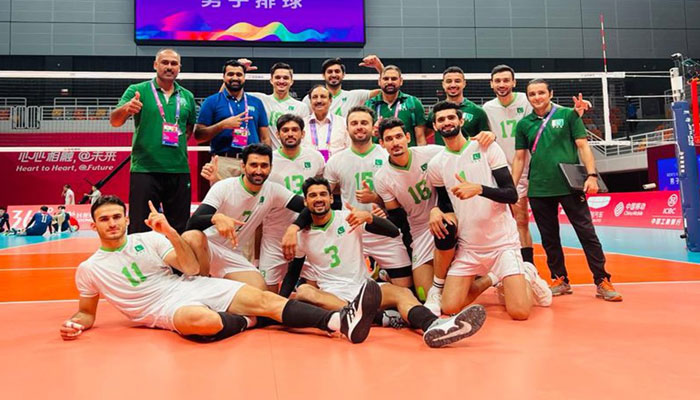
594	175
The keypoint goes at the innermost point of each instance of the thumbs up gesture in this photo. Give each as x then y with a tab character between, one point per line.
210	171
464	189
365	195
357	217
134	105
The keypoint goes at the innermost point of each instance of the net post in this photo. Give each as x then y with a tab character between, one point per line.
687	173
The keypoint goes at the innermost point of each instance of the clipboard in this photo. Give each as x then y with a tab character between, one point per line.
576	174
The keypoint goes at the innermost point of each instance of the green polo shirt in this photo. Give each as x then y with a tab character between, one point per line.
556	145
475	121
412	112
148	153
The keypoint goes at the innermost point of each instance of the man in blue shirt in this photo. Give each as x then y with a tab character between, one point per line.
231	120
39	223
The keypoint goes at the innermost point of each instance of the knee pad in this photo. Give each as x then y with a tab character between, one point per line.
450	240
402	272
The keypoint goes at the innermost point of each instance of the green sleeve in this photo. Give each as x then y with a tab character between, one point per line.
420	113
430	119
578	130
521	136
128	95
192	118
482	120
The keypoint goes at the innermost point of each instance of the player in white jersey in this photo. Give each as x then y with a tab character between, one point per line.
352	170
333	248
488	244
292	164
333	72
279	102
231	212
134	273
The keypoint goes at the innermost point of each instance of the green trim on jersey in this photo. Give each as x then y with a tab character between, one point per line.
363	155
326	225
515	96
120	248
252	193
408	165
556	145
281	153
447	149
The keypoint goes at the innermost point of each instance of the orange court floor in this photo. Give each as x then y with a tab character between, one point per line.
579	348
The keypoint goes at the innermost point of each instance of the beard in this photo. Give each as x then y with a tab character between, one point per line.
290	145
450	133
256	179
321	213
390	89
234	86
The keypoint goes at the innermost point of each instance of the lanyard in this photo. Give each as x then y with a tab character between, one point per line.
314	135
544	124
160	106
397	108
245	108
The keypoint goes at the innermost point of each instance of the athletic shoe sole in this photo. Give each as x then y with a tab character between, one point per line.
370	300
465	324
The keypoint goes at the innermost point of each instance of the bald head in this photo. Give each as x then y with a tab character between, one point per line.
167	65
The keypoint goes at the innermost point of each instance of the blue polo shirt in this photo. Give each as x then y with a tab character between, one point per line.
216	108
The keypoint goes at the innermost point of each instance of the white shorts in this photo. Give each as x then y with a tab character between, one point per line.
223	260
344	291
501	263
423	248
216	294
390	253
522	185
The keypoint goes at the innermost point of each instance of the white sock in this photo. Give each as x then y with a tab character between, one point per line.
438	283
252	321
494	280
334	322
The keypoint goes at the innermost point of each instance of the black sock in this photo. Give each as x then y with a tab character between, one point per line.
297	314
528	254
420	318
233	324
265	321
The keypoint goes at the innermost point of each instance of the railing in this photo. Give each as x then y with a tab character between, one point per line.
75	113
85	101
13	101
637	143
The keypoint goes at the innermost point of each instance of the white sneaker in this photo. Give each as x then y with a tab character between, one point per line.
392	318
540	288
445	331
433	300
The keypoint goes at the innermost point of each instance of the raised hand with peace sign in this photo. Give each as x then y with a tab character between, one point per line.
236	121
465	189
227	227
581	105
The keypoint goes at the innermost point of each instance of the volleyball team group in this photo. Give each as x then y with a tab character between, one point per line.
333	212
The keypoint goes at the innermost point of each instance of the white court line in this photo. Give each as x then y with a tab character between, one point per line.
36	269
621	254
42	301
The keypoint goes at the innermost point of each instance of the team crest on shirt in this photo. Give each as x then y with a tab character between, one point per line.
424	167
557	123
138	248
252	108
520	110
468	117
341	230
307	164
262	199
290	108
476	157
378	162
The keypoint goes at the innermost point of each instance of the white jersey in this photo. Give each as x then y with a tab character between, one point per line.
70	197
133	278
349	169
231	198
483	224
408	185
342	102
275	108
290	173
334	253
502	120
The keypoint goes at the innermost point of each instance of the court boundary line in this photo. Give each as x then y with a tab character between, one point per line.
574	285
36	269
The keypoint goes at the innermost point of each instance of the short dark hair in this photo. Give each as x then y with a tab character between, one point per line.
316	86
103	200
446	105
502	68
391	68
315	180
331	62
61	207
537	81
389	123
451	70
256	148
44	208
284	118
66	186
363	109
281	65
232	63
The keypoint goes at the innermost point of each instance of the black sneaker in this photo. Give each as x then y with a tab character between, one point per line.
356	318
445	331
